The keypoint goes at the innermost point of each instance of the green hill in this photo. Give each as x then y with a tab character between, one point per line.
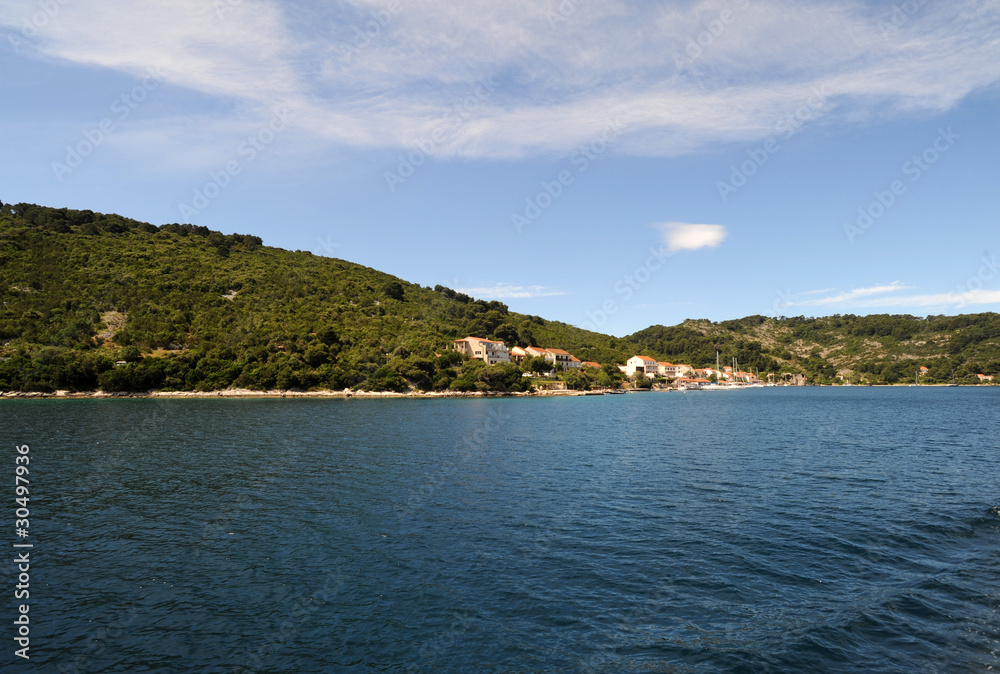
188	308
879	348
193	309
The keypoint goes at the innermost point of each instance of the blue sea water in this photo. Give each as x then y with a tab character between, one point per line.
848	529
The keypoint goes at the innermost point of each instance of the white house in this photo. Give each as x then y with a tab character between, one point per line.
518	354
643	364
484	349
564	358
668	370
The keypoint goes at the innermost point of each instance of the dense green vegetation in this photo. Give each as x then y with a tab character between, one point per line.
181	307
191	309
879	349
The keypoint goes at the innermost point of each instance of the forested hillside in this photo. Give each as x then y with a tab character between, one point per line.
193	309
187	308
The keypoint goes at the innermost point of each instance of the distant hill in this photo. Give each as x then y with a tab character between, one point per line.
879	348
187	308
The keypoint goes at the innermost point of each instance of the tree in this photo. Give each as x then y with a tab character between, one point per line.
507	334
327	335
131	354
393	290
536	364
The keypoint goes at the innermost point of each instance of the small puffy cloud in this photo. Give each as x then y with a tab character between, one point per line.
686	236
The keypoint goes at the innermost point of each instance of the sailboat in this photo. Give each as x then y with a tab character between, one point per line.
718	386
916	379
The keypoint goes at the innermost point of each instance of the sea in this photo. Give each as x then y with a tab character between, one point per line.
850	529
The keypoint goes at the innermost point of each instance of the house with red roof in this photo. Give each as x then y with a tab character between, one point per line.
564	358
486	350
644	364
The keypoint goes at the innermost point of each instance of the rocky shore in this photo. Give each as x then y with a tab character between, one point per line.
247	393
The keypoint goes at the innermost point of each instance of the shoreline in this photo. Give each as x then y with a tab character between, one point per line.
275	393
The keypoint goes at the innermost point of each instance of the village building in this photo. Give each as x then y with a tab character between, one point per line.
668	370
485	350
554	356
517	354
564	358
536	351
643	364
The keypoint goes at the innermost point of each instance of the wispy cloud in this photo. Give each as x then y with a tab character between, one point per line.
553	94
679	236
850	295
942	301
888	297
503	291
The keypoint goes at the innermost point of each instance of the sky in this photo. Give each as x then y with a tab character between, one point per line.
612	165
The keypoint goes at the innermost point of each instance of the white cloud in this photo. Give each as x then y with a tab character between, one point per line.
503	291
852	295
887	296
686	236
673	86
955	300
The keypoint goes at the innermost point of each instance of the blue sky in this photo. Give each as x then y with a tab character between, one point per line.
613	165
